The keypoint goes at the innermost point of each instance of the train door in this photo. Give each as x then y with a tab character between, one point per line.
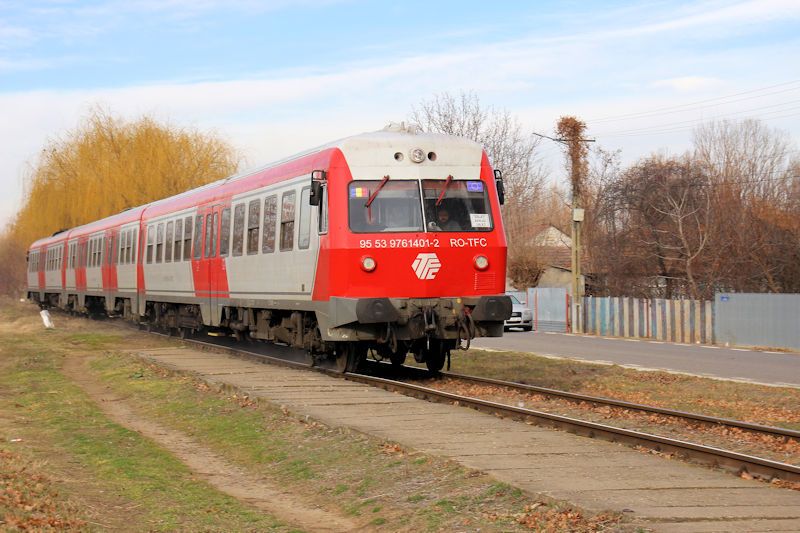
208	267
108	269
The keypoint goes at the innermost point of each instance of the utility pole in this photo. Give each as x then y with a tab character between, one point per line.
571	130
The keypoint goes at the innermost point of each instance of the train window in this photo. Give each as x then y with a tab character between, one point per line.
287	221
90	254
160	243
151	240
304	233
395	206
238	229
456	205
120	251
198	236
225	232
178	239
253	221
187	238
168	242
270	224
134	245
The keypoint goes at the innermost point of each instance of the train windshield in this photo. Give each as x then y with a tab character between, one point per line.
446	204
456	205
395	207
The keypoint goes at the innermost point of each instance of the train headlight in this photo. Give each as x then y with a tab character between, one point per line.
368	264
481	262
417	155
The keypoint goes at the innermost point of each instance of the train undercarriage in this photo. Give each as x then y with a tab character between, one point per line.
340	335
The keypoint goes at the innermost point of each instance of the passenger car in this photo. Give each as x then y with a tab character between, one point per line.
337	251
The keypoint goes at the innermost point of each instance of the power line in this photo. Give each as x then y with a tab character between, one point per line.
659	130
699	102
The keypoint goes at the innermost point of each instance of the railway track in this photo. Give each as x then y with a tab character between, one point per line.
734	462
602	401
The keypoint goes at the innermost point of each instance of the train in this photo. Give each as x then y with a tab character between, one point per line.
381	244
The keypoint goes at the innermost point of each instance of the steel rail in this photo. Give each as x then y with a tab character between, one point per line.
600	400
732	461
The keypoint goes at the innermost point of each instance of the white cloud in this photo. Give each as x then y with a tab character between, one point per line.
586	72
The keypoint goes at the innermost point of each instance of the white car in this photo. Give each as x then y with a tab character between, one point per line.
521	316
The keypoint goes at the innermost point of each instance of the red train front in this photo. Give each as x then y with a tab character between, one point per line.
415	257
389	241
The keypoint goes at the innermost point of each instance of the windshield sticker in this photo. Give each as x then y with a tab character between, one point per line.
359	192
480	220
474	186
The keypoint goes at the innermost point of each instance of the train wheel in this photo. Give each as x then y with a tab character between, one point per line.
349	357
398	358
435	362
435	356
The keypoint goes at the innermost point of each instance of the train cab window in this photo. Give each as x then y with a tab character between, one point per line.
304	233
160	243
456	205
168	242
198	236
395	206
178	239
151	241
187	238
225	232
238	229
270	224
287	221
323	211
253	222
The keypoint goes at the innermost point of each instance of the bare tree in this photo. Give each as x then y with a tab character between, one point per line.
753	179
651	229
509	149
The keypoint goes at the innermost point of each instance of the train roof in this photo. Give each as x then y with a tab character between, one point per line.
365	151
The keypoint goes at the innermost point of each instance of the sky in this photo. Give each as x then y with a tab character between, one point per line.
276	77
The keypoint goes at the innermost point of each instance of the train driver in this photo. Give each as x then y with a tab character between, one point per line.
444	221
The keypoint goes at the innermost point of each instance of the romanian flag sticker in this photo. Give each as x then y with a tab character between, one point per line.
359	192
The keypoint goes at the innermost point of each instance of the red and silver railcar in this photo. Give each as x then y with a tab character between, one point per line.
389	241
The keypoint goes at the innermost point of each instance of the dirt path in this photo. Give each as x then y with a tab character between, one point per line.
209	466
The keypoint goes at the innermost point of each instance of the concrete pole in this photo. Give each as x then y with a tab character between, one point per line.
577	288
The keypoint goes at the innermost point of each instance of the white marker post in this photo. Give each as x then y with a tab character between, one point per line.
46	319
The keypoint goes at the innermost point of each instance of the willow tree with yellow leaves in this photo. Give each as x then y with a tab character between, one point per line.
104	166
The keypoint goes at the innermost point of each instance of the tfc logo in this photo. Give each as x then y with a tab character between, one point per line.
426	266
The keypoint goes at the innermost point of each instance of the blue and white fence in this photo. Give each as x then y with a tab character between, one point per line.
686	321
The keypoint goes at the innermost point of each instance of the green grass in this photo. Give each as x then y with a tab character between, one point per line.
361	475
62	420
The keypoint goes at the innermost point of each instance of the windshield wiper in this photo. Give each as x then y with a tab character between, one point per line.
444	190
375	194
